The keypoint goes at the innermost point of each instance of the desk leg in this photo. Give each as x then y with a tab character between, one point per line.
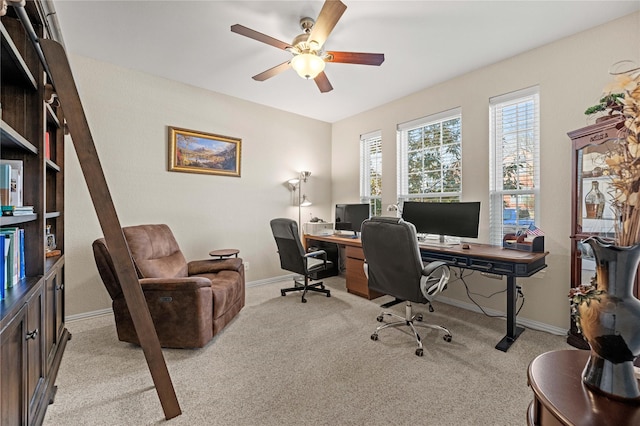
513	331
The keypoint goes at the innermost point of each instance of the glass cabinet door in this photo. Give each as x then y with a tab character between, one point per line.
595	216
591	201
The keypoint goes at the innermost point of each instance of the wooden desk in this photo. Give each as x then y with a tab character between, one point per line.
560	397
479	257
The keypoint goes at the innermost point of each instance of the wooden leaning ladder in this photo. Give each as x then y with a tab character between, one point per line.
62	78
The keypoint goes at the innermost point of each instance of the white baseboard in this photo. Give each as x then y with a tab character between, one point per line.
87	315
535	325
271	280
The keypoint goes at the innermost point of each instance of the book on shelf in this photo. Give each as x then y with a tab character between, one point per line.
15	181
3	262
47	146
22	210
5	184
13	256
21	265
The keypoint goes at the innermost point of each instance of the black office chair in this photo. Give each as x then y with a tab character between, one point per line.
293	258
393	266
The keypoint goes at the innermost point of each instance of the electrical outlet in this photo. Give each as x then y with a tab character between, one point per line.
246	265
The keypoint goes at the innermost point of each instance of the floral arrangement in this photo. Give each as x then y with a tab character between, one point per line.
624	158
580	295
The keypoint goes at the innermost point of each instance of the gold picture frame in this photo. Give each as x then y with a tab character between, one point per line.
191	151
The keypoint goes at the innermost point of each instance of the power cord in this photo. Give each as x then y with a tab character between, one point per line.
461	277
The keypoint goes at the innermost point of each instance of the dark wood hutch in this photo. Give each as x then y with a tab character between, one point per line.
591	146
32	329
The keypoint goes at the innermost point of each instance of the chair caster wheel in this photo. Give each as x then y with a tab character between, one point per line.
282	293
419	317
374	337
379	318
431	308
328	294
304	300
447	338
419	352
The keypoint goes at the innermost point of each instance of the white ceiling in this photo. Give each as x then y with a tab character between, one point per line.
424	42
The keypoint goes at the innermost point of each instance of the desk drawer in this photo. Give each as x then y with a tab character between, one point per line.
354	252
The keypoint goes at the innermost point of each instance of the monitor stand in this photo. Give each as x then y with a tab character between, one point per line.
440	243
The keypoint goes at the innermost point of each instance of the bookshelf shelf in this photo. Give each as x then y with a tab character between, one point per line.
16	68
17	220
10	138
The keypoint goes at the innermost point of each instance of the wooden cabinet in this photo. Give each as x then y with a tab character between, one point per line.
357	282
591	213
32	328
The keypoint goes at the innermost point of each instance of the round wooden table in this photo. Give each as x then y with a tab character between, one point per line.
222	253
560	397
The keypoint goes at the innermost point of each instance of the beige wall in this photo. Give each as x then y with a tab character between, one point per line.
128	113
571	74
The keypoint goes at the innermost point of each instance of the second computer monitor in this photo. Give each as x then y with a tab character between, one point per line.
450	219
349	217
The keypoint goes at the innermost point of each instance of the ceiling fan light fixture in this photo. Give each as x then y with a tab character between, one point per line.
307	65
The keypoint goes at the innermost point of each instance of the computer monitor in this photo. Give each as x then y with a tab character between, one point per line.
443	219
349	217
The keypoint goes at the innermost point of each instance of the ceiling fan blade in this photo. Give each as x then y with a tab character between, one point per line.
248	32
271	72
323	82
329	15
355	58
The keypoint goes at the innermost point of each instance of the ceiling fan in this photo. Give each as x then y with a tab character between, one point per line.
308	57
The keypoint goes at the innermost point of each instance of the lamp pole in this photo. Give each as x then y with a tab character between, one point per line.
302	199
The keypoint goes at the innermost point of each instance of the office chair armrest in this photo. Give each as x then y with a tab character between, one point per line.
317	253
432	266
174	284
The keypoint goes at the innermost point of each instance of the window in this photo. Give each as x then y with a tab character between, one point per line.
430	158
515	162
371	171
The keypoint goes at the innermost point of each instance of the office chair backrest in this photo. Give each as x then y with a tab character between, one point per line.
393	258
290	250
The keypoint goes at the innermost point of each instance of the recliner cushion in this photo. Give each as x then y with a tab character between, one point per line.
155	251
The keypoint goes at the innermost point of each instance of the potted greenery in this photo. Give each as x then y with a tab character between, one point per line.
612	103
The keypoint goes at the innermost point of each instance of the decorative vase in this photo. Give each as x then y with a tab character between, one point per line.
610	322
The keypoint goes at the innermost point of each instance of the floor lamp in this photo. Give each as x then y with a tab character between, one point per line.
303	201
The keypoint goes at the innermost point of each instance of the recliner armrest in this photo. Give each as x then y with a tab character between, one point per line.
174	284
196	267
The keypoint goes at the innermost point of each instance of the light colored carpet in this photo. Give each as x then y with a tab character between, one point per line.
282	362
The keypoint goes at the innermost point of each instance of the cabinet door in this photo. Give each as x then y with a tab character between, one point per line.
13	362
35	356
54	308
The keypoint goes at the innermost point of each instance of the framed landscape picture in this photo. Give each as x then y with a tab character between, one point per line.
197	152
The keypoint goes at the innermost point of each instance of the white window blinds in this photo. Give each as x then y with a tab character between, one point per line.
371	171
430	158
515	162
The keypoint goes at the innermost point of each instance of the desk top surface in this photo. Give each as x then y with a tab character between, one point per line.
476	250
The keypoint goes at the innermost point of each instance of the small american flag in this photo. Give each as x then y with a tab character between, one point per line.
534	230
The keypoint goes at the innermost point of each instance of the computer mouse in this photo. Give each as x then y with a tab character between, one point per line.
465	246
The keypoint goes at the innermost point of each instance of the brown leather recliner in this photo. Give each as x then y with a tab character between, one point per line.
189	302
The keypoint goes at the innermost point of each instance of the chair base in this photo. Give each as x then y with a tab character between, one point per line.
411	321
304	287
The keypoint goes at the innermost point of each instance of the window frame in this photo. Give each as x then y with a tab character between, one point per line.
366	168
527	183
403	131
